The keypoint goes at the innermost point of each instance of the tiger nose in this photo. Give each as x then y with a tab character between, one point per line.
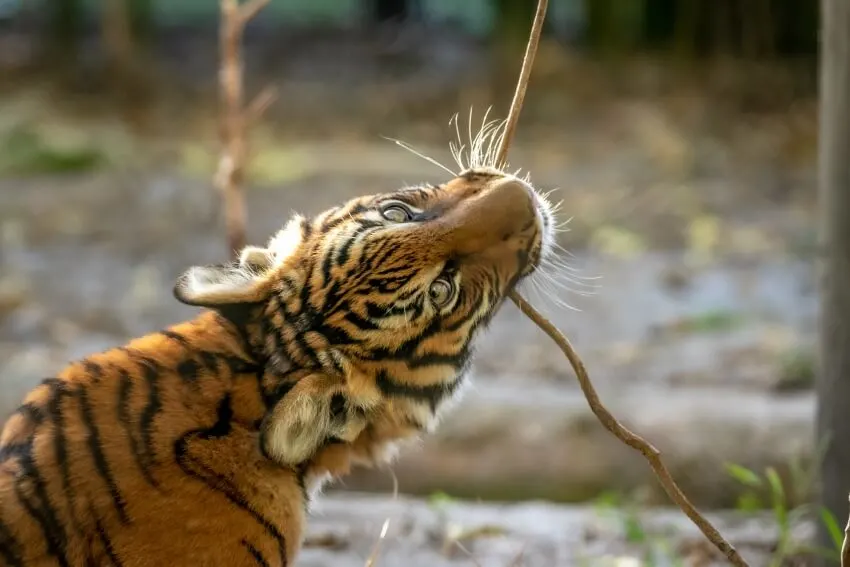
504	209
512	198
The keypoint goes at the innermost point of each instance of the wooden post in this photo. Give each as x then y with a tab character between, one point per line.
833	385
235	118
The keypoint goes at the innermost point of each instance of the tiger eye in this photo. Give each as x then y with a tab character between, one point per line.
396	214
441	291
395	211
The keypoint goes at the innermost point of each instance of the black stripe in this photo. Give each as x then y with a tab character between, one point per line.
269	332
391	283
193	468
344	252
236	365
94	370
31	412
456	360
125	389
467	317
306	228
407	349
307	316
330	225
107	543
279	390
238	317
255	553
39	507
333	297
100	462
417	308
150	370
334	335
432	394
326	267
13	450
188	370
375	311
224	416
301	342
54	411
209	360
10	548
177	337
336	361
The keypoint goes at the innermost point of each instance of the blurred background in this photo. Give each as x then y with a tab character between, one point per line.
680	135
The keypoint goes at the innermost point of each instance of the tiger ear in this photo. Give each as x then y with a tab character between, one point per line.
244	281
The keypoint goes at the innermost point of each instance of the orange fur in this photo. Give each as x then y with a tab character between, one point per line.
198	445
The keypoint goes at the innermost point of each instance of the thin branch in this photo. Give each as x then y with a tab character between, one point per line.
650	453
230	176
260	104
522	82
249	10
845	546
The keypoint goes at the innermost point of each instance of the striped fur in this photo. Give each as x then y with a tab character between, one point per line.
198	445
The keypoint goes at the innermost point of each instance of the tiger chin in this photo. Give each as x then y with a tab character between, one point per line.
200	444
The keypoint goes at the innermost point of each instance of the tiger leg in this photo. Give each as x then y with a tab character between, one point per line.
316	409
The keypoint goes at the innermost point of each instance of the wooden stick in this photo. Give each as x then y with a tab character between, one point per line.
650	453
230	177
522	82
845	546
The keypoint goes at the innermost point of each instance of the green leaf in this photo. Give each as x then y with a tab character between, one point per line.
439	499
749	502
743	475
835	532
633	528
778	493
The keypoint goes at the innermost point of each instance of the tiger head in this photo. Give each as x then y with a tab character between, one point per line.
387	289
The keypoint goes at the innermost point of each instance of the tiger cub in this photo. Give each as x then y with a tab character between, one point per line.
200	444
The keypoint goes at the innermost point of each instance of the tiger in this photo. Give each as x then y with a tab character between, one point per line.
203	443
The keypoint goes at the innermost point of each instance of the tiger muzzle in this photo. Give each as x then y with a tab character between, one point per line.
500	213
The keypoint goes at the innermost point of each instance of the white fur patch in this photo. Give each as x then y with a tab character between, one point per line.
255	258
286	242
210	284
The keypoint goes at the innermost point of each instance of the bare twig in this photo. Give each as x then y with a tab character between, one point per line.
522	82
230	176
845	546
652	455
376	550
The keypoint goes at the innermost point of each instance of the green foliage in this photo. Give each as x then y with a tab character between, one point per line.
439	499
769	491
655	549
24	151
836	534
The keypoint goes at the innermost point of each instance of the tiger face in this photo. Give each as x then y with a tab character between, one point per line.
385	293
